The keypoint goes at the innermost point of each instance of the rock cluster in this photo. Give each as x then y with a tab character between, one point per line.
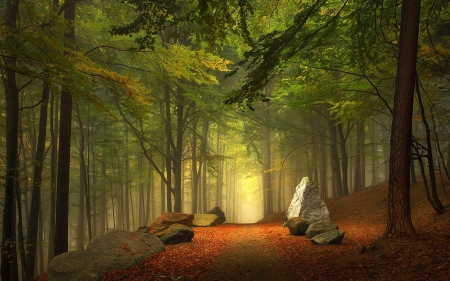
308	215
320	232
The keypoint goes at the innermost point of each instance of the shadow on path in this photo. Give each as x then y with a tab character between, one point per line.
250	256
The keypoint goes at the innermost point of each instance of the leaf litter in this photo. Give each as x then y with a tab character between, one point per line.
361	256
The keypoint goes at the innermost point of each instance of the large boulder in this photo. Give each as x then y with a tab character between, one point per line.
297	226
319	227
219	213
205	220
115	250
172	218
307	203
329	237
170	234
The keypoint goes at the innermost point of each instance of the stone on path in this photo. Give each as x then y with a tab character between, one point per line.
297	226
329	237
172	234
205	220
307	203
219	213
319	227
171	218
114	250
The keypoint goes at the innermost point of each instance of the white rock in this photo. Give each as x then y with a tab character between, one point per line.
307	203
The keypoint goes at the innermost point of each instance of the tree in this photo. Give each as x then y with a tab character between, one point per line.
62	195
8	256
399	222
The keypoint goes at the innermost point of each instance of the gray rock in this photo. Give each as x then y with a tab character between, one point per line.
115	250
219	213
173	234
297	226
329	237
307	203
205	220
319	227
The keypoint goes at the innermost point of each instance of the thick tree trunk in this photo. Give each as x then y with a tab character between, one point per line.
399	222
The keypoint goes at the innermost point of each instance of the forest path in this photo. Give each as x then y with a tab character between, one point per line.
250	256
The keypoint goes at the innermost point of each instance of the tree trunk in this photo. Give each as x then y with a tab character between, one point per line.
169	146
194	169
399	222
219	183
359	160
33	224
62	199
344	162
203	163
8	255
103	198
178	149
54	109
335	169
439	208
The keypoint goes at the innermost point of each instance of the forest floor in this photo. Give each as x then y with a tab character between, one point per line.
266	251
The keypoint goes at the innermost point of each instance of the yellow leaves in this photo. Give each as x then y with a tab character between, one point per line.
194	66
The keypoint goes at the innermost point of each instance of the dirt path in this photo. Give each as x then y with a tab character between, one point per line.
250	256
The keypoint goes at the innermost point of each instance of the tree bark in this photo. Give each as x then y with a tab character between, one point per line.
344	162
359	183
335	169
33	224
8	255
399	222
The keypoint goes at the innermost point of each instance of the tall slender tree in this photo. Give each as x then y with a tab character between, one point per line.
8	255
65	133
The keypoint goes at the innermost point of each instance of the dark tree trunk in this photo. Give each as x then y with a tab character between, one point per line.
439	208
399	222
169	146
203	163
54	109
195	172
219	182
8	255
335	169
359	183
178	149
62	198
33	224
344	162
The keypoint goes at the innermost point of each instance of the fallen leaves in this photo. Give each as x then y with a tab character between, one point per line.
186	261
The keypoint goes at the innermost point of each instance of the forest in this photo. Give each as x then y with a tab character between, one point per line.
116	111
